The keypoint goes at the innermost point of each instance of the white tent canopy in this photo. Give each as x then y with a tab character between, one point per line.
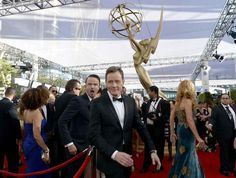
79	34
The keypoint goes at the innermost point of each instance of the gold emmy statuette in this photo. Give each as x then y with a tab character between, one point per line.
126	23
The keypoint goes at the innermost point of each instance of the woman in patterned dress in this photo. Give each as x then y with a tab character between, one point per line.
186	163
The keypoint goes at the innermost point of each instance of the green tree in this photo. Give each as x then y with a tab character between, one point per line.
49	79
6	72
206	97
233	95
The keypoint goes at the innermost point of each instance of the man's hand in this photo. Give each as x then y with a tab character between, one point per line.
124	159
72	149
156	160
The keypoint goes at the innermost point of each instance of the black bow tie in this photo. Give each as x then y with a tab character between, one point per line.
117	99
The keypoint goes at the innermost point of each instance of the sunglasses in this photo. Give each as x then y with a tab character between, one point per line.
54	91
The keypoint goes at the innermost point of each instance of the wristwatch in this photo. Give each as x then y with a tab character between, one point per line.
153	151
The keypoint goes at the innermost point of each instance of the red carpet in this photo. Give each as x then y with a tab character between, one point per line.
209	161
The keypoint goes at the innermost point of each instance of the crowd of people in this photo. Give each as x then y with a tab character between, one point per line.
57	127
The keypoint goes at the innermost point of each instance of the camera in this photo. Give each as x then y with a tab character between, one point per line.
154	116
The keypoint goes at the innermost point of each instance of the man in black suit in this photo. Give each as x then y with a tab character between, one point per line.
74	122
72	89
113	116
10	132
155	116
223	124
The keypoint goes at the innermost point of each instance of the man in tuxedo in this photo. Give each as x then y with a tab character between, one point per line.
74	122
223	124
155	116
113	116
10	132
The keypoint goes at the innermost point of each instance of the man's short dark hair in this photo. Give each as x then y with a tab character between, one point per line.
114	69
93	76
224	94
155	89
71	84
10	91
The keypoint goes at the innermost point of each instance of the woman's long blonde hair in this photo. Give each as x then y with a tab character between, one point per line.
186	89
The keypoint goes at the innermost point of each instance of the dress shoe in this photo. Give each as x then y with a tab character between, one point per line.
158	170
143	170
225	173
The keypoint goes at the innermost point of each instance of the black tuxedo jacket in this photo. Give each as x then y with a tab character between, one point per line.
74	122
106	133
223	127
60	105
9	123
50	117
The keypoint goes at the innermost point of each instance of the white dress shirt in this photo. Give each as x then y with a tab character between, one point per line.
119	107
232	112
120	111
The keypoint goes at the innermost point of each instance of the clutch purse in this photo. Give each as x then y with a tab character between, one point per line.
45	156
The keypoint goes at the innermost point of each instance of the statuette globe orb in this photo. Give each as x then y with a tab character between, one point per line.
122	15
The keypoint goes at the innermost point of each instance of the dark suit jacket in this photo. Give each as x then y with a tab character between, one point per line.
60	105
74	121
9	122
223	127
106	133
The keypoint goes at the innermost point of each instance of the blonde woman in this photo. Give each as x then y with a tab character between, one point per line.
186	163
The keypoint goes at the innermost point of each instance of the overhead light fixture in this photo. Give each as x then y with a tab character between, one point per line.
218	57
232	33
205	68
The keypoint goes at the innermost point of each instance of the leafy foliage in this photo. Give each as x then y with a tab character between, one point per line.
233	95
6	72
205	97
50	79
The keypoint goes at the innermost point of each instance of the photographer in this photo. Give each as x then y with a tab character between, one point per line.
155	116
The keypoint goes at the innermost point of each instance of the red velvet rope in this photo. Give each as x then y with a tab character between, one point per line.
88	150
83	166
85	163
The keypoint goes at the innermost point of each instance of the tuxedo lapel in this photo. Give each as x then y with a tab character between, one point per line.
225	113
126	105
148	106
87	101
111	109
